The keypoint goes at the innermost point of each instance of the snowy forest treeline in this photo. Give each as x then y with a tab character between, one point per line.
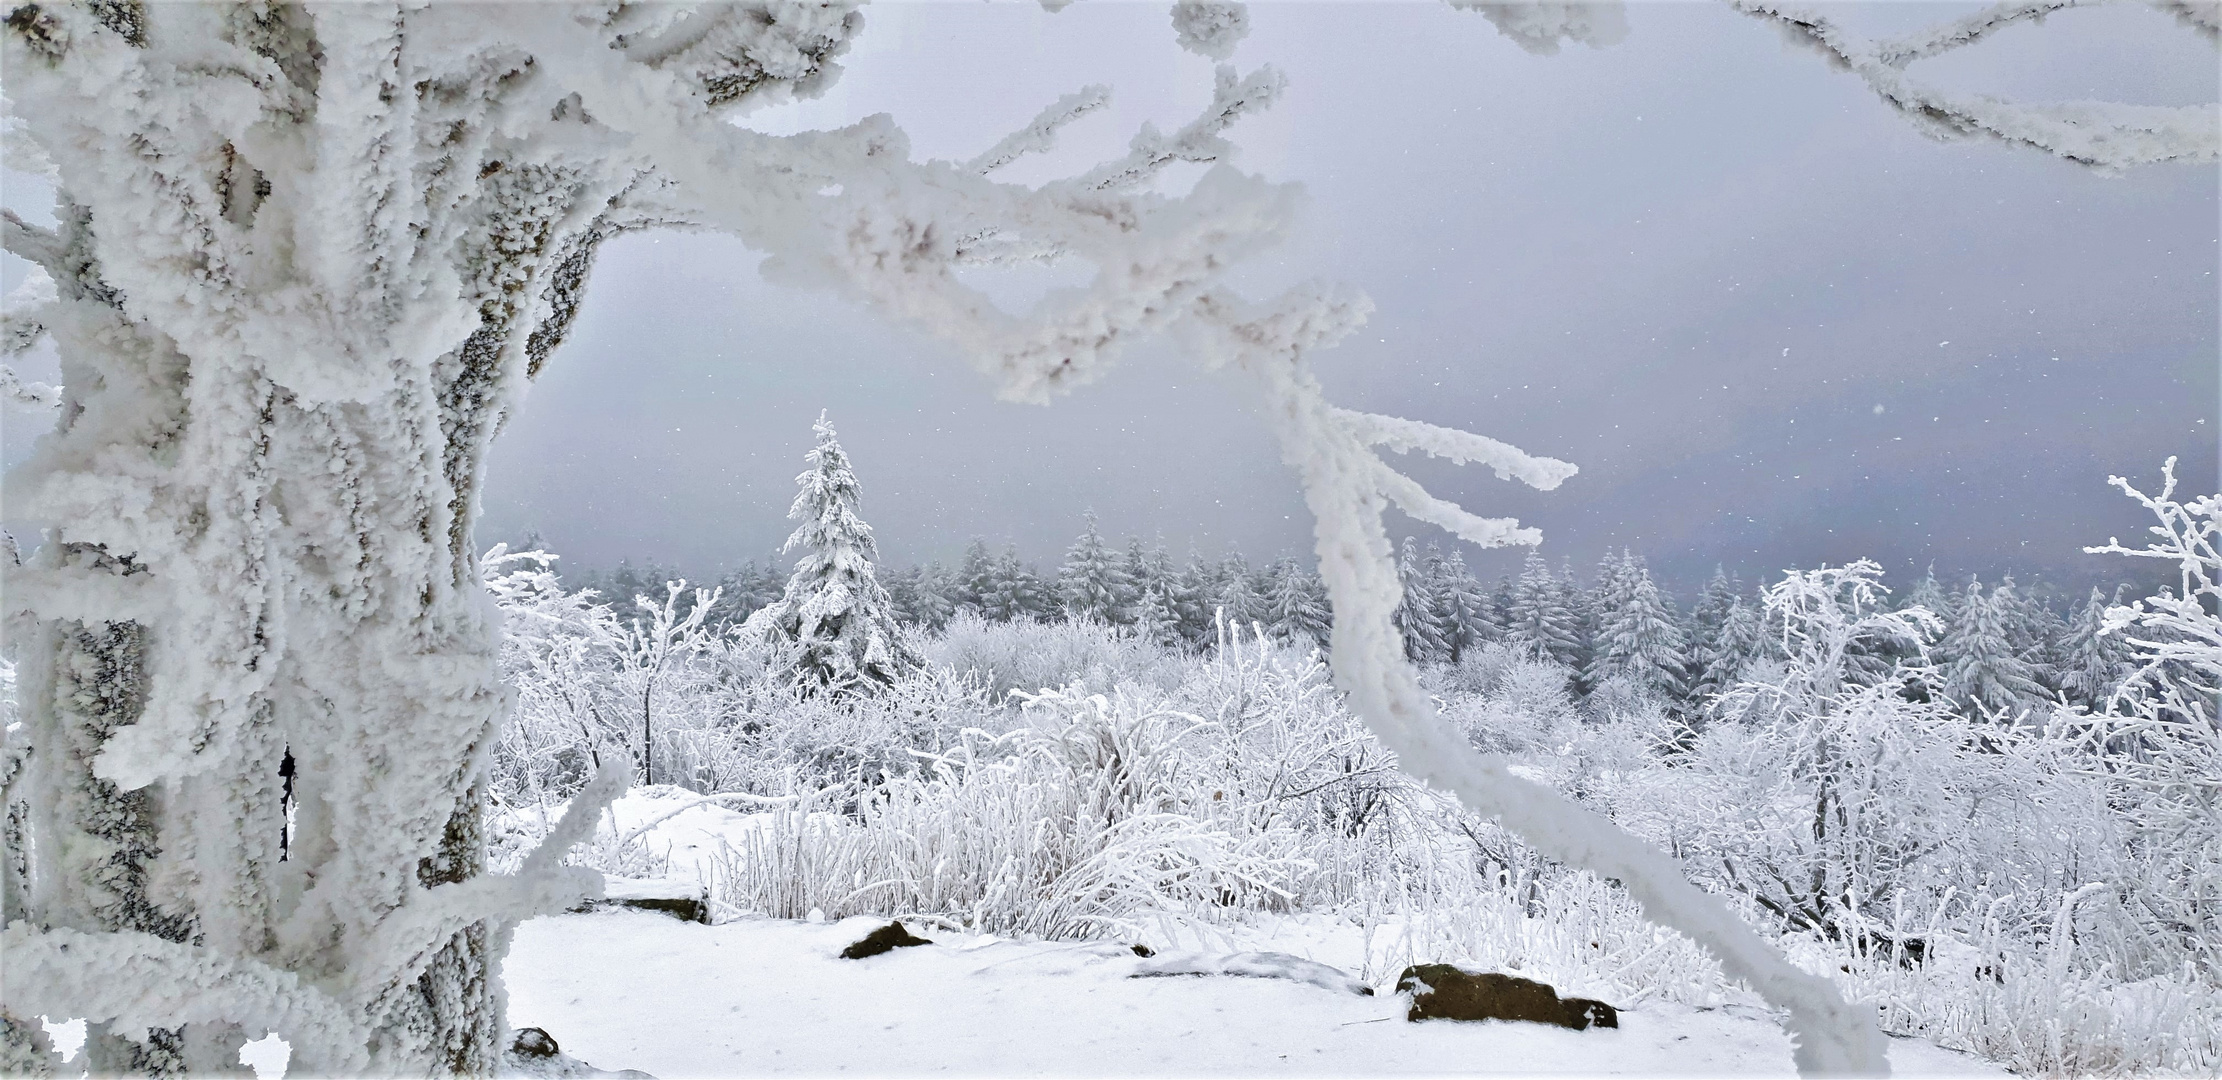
1999	826
2004	649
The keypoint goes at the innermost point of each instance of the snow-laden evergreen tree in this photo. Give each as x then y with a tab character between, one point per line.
1157	617
921	596
1091	583
1419	618
1141	570
1009	590
307	257
1193	594
975	578
745	591
1742	639
1638	639
1298	603
2095	663
1539	617
1240	601
1703	625
1466	612
834	624
1931	596
1982	671
1581	614
2034	630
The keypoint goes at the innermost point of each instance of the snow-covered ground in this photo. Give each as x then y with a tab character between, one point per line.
758	996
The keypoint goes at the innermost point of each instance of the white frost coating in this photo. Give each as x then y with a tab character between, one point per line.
1539	25
1039	135
1462	447
2105	134
1344	486
1210	27
35	394
135	981
23	316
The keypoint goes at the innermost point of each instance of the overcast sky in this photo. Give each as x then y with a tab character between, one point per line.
1772	322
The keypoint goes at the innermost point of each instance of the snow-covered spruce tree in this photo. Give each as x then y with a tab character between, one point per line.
835	624
1539	618
1466	611
1091	583
1420	617
1742	639
1983	672
306	259
975	577
1638	640
1298	604
1239	600
2095	663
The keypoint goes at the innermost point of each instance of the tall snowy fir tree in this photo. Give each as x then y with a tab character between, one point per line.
1982	671
1539	617
1420	617
975	578
835	621
1742	639
1637	638
306	260
1930	594
1091	583
1298	604
1466	610
1240	601
2094	663
1194	594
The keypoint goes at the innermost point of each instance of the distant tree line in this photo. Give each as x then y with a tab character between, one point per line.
2004	648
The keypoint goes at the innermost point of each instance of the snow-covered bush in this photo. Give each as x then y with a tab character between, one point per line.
1027	656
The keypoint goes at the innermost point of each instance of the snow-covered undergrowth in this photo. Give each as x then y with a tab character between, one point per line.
1243	794
2039	890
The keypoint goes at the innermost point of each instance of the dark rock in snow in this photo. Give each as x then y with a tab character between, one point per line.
1251	965
1443	992
533	1042
886	938
533	1055
1143	950
1588	1013
687	901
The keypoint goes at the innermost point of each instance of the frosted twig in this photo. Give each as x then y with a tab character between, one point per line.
1040	134
2108	135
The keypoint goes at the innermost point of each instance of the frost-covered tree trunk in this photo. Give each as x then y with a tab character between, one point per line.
305	260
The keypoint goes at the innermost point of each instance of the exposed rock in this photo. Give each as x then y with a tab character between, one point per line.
533	1042
687	901
1143	950
886	938
1251	965
1443	992
533	1055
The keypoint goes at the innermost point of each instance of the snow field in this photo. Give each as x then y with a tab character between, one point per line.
761	997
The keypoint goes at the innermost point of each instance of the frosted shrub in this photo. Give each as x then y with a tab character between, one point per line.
1030	656
1074	827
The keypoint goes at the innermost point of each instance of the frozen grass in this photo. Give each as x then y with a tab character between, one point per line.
1202	801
